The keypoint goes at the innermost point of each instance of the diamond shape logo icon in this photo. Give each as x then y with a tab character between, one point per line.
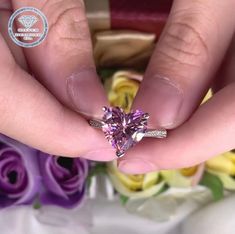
27	20
27	34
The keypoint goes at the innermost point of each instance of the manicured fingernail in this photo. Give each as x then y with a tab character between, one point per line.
86	93
162	99
136	166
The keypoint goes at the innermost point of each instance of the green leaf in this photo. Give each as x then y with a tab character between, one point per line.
123	199
214	184
162	190
99	168
106	73
36	204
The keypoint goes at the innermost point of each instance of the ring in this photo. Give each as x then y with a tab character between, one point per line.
124	130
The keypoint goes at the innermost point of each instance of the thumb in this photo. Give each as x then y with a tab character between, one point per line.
185	59
63	63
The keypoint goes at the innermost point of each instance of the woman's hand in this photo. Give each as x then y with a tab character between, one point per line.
184	65
47	111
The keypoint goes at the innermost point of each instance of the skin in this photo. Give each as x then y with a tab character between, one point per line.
39	112
186	61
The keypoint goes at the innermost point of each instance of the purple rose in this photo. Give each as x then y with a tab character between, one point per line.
19	173
64	180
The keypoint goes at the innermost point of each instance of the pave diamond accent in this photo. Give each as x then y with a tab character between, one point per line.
96	123
123	130
156	133
27	20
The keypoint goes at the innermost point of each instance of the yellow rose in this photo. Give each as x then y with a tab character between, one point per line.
185	177
224	167
122	89
134	186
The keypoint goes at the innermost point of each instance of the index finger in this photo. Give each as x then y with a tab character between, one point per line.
30	114
63	62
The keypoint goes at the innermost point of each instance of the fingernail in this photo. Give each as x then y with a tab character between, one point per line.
164	100
136	166
86	93
105	154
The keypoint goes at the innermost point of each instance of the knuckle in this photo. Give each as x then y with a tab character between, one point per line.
69	27
185	41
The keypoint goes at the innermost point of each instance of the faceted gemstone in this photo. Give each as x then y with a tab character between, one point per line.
124	130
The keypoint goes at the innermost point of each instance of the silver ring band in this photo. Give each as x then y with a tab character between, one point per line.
149	132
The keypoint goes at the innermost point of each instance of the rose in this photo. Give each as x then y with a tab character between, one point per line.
19	175
185	177
122	88
223	166
134	186
64	180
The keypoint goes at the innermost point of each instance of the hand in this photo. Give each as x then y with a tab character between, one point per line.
46	112
184	64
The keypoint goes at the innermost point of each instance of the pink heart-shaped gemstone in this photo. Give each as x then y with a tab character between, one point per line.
123	130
